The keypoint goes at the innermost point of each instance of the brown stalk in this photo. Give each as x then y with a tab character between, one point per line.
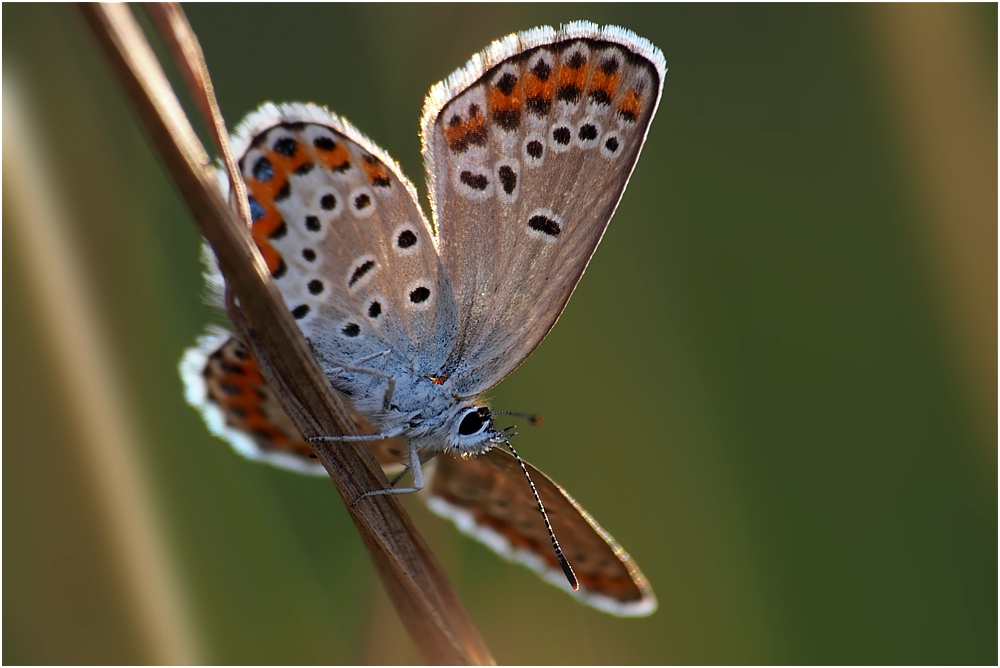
108	445
427	605
180	38
944	117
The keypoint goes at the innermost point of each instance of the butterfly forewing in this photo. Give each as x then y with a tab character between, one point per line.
528	151
346	243
488	498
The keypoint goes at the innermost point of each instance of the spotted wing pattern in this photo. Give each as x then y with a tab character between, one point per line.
486	496
528	150
344	239
223	381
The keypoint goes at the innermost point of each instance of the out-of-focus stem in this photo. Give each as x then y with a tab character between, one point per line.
948	134
106	435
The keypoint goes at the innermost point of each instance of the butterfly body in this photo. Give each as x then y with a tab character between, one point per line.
528	150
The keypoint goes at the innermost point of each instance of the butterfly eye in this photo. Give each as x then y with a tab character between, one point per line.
471	423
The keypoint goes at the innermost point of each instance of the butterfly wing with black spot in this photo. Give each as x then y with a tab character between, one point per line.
222	380
528	150
488	498
346	243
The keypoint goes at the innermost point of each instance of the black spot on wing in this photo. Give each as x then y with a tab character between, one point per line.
286	146
419	295
263	170
508	178
545	225
284	193
231	389
542	70
406	239
599	96
474	181
506	83
324	143
507	119
568	93
257	211
280	231
360	272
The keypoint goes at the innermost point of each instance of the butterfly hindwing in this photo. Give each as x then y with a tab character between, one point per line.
528	150
222	380
488	498
346	243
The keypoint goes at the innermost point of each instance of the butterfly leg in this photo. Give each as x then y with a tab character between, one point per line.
399	476
418	480
360	438
354	368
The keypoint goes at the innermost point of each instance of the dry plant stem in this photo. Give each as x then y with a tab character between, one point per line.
948	137
427	605
108	445
177	32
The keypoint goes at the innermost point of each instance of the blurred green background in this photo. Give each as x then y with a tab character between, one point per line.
776	385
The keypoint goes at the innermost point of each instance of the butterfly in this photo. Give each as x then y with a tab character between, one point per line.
528	149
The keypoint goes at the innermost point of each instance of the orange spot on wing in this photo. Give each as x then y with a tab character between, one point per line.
631	105
476	125
461	133
569	76
271	256
454	134
284	166
377	173
337	159
538	93
243	409
535	87
505	108
604	83
496	100
263	228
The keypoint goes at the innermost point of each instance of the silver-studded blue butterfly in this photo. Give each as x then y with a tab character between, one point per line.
528	150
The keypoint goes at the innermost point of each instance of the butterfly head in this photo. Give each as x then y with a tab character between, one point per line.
470	430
